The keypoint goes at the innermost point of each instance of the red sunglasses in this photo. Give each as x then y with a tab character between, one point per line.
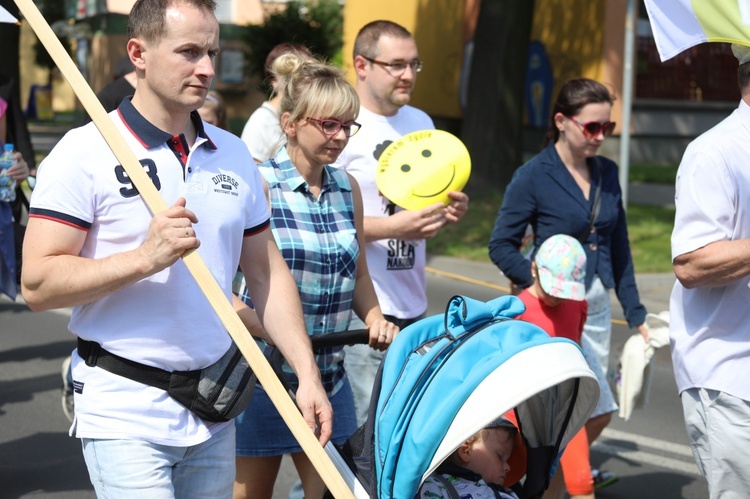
592	129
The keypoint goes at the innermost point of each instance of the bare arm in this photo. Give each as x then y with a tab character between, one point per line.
717	264
277	302
250	319
365	301
55	276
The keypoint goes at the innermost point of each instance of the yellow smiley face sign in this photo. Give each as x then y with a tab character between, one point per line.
421	168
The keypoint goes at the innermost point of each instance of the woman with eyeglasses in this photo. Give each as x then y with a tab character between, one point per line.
567	188
316	219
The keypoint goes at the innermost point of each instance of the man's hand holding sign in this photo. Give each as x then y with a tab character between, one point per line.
424	173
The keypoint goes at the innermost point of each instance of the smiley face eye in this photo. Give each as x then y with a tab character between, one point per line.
426	153
405	168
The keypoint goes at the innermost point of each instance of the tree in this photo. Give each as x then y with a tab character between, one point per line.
317	24
492	128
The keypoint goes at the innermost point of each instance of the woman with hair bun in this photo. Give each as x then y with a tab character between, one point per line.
316	218
262	132
568	189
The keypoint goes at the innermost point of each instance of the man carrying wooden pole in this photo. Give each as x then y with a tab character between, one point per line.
92	244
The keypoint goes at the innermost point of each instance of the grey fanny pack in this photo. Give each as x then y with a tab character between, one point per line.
216	393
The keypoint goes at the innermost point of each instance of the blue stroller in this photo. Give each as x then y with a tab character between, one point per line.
447	376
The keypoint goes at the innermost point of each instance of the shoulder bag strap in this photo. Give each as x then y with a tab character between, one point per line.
597	203
449	488
94	355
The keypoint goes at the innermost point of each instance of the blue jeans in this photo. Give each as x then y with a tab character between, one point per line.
595	344
136	469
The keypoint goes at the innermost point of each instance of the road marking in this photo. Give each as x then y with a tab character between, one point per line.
640	458
654	443
487	285
467	279
62	311
636	455
20	301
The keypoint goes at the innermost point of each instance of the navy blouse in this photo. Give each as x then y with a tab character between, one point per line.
544	194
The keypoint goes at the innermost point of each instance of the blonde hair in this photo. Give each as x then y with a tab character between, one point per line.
311	88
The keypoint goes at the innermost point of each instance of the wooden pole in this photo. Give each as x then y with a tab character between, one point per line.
223	308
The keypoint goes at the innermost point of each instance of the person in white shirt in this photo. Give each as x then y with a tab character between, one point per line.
709	313
262	132
92	244
386	61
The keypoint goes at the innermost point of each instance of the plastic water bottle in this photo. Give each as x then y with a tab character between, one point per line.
7	183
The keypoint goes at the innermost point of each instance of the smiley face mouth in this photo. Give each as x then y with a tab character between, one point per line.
441	190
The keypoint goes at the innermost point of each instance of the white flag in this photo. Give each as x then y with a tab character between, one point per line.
680	24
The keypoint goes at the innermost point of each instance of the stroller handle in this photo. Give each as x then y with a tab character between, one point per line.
353	337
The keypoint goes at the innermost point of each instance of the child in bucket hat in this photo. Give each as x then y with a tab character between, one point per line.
560	268
556	302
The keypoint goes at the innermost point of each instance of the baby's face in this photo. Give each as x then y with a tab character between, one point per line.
490	454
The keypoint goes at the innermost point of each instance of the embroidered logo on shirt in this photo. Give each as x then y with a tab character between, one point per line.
225	184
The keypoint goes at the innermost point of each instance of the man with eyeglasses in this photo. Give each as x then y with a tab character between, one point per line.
387	62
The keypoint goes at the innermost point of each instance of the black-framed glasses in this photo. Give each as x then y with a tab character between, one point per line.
594	128
331	127
398	68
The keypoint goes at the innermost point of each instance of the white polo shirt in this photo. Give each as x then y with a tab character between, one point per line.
396	266
710	326
163	320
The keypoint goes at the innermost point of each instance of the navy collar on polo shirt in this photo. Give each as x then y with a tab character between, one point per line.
148	134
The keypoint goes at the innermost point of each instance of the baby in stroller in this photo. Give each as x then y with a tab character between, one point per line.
478	467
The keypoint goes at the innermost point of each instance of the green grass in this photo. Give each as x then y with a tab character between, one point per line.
650	228
468	239
652	173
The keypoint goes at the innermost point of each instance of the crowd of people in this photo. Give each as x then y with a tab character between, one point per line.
315	241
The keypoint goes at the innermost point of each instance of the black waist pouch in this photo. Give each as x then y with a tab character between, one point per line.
217	393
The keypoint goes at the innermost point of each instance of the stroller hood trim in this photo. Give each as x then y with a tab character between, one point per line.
521	386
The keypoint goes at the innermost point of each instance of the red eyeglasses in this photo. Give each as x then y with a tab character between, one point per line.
592	129
331	127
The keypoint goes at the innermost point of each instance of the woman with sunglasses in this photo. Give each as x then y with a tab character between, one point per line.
568	189
316	219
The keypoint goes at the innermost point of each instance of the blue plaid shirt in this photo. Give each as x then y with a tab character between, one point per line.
318	240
